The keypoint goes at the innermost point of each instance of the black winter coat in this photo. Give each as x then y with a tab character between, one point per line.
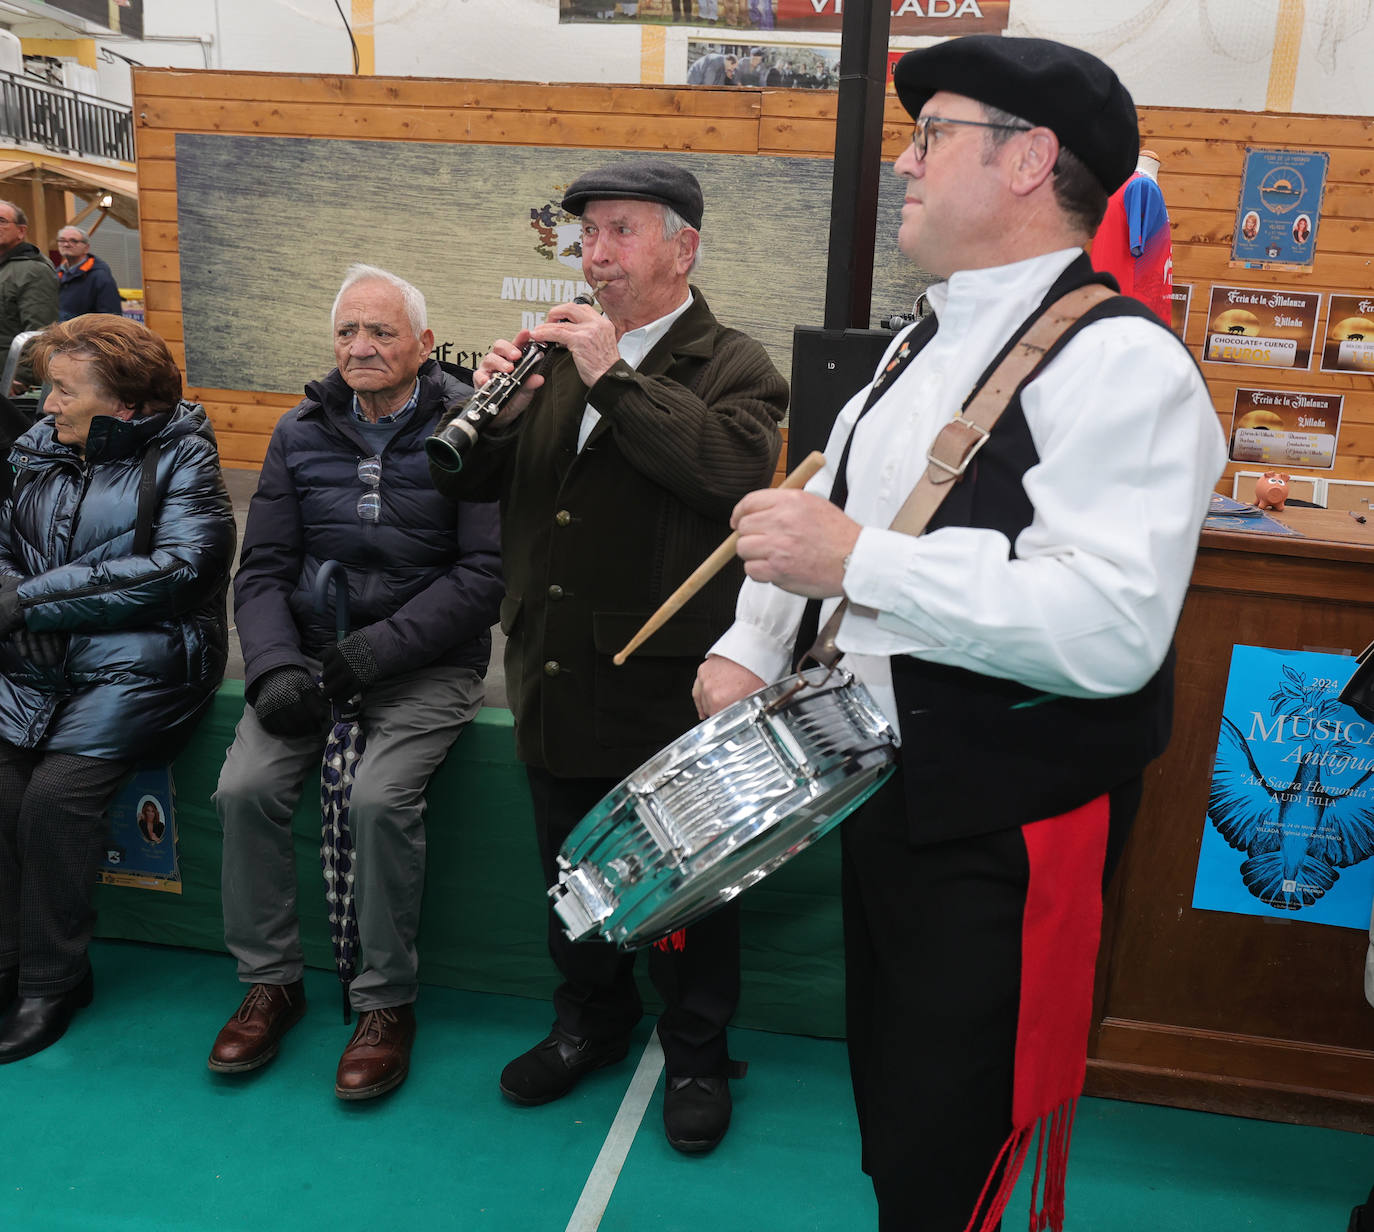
424	583
147	635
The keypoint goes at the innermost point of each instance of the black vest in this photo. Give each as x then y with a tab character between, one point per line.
979	753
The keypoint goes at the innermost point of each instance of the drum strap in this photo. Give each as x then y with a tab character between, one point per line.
959	441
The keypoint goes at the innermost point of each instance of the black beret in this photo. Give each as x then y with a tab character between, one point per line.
1069	91
640	179
756	51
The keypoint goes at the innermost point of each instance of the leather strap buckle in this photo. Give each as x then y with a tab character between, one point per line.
958	441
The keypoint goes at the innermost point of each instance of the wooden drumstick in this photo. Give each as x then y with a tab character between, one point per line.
712	565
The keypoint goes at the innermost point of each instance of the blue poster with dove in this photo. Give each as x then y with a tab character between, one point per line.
1290	813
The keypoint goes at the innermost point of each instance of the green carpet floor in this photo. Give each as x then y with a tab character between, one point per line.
121	1128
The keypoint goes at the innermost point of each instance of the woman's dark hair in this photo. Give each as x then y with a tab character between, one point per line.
127	359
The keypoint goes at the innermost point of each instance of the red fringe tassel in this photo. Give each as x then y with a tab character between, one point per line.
1053	1133
674	941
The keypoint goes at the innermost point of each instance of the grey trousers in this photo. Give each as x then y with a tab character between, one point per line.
410	722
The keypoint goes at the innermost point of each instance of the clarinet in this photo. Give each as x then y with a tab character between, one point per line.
445	449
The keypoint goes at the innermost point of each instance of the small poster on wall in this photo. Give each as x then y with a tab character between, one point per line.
1280	207
1290	814
1261	328
141	847
1180	299
789	66
1286	427
1349	345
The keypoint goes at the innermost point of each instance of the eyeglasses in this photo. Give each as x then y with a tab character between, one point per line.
370	502
920	135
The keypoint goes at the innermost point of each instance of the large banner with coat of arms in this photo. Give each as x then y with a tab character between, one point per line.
267	226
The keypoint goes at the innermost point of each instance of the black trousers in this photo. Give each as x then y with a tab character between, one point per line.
933	970
598	998
52	831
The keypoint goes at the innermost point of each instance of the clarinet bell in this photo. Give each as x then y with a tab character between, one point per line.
445	449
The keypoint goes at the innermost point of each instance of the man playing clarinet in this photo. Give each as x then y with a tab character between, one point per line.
616	469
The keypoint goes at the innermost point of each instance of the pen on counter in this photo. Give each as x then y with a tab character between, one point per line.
1359	517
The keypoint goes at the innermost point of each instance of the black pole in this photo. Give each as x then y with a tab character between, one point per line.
858	163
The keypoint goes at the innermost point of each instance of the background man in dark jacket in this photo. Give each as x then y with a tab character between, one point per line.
614	486
345	479
84	282
28	287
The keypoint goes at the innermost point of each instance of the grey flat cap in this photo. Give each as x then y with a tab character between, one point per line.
639	179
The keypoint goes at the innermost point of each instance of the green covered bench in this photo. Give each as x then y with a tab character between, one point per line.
482	927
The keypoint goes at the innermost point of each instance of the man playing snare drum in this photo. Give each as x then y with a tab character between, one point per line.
1022	644
616	471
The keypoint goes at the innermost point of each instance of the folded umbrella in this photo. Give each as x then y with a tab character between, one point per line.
343	750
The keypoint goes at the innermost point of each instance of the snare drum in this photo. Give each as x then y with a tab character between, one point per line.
722	807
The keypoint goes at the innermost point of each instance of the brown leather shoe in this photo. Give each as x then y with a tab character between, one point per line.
377	1058
252	1037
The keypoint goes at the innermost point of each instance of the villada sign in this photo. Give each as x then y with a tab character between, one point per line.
908	16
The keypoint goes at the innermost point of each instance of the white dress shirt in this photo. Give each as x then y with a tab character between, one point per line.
1129	449
633	346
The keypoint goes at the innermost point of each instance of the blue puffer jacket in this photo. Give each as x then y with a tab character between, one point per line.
147	634
424	582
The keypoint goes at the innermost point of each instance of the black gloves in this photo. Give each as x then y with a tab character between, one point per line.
289	703
11	614
348	667
41	649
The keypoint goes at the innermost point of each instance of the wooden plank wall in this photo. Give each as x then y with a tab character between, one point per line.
1201	151
1202	156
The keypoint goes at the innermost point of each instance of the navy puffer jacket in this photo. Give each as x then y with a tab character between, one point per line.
424	582
147	635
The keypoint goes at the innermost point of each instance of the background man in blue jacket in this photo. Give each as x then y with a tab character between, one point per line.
345	478
84	282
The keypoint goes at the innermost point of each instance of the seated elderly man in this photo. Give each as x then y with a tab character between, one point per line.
346	479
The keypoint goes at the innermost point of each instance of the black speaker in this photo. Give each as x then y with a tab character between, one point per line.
829	366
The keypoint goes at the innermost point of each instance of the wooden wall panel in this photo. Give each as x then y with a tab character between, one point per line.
1202	154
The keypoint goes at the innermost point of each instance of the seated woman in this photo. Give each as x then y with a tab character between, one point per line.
113	637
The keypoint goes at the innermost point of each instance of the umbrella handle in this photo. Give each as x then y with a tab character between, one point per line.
333	573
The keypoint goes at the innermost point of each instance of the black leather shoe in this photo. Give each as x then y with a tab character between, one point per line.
696	1113
555	1065
9	988
34	1023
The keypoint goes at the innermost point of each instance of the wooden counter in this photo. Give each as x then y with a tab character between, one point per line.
1212	1010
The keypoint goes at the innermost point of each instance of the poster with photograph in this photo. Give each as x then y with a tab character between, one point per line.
1280	207
1349	345
1286	427
1261	328
910	18
1180	299
141	847
1290	816
791	66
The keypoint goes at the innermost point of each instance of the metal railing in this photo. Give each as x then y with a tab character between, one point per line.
64	120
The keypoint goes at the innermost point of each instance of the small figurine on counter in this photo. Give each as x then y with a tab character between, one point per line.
1271	490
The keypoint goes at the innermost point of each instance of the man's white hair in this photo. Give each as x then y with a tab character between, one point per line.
673	222
411	296
85	238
